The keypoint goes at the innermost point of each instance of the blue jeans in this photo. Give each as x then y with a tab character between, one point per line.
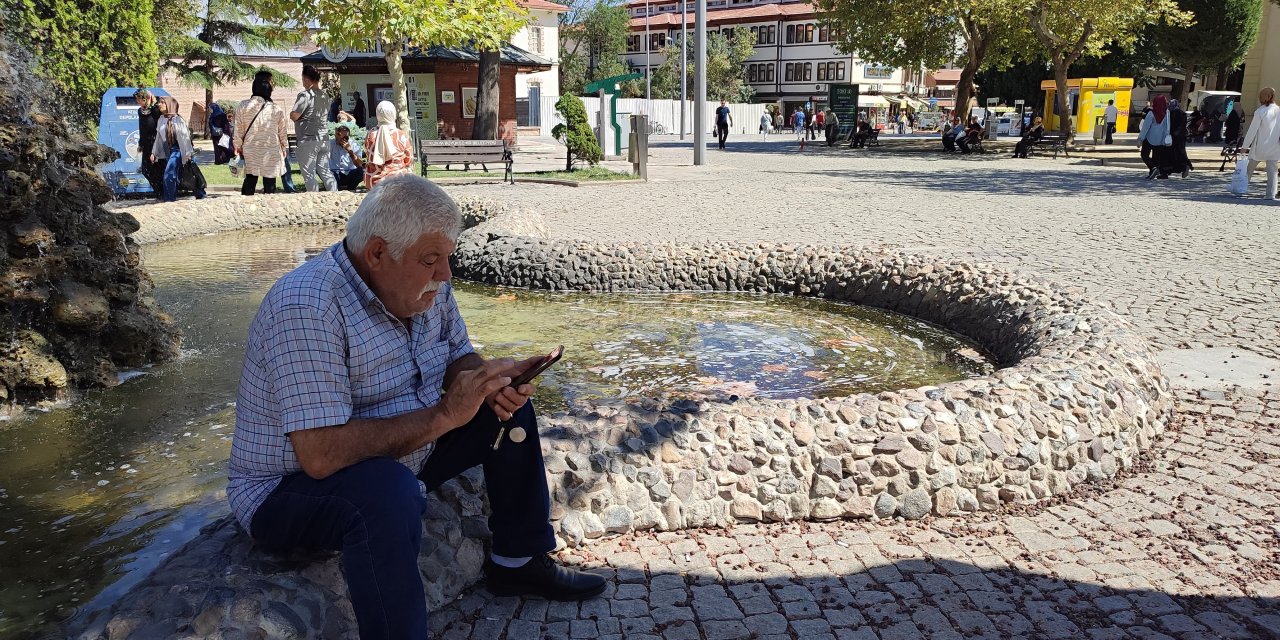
372	512
173	174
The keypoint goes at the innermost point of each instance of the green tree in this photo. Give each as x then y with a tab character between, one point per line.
396	25
1071	29
975	35
173	22
726	68
84	47
1221	35
592	45
575	132
208	58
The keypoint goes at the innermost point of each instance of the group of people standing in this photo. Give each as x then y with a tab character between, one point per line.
255	140
1163	139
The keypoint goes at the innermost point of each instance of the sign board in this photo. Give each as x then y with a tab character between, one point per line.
118	129
843	100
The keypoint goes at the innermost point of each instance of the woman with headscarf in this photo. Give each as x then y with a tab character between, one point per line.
173	148
1234	124
387	149
1263	139
219	126
1032	135
262	139
1154	137
148	119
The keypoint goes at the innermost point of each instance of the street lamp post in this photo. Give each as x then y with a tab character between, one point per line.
684	56
700	83
648	44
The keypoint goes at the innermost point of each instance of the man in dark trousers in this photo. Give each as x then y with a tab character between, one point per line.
358	111
724	120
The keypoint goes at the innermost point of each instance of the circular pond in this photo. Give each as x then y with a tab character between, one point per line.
96	494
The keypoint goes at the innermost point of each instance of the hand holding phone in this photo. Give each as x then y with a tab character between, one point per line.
538	367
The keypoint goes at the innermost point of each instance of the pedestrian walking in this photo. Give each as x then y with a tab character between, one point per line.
173	148
220	132
263	141
797	126
765	121
1178	160
1262	142
308	115
358	111
1111	115
724	120
148	120
1155	138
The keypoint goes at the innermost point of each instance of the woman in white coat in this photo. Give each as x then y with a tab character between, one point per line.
1263	139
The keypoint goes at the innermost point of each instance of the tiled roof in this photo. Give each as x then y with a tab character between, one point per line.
739	14
511	54
543	5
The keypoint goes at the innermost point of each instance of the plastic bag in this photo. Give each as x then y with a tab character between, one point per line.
1240	179
236	164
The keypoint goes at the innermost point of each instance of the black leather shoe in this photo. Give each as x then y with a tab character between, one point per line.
543	578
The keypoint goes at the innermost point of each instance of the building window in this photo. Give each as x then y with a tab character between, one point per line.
808	33
822	34
633	44
536	42
791	33
822	72
751	73
839	71
768	73
789	73
657	41
773	35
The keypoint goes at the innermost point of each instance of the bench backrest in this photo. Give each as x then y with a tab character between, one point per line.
457	151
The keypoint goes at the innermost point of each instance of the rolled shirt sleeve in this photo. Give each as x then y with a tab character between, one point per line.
306	353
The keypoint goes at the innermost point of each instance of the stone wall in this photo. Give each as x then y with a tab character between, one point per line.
1079	398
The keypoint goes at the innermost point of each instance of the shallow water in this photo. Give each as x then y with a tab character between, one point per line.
95	494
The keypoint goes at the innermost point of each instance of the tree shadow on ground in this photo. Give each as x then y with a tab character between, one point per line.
906	598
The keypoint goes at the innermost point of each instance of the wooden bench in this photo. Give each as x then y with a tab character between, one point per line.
466	153
873	140
1055	141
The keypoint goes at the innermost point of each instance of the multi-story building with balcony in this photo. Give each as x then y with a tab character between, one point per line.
795	58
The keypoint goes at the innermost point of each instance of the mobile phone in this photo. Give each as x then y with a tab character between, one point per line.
538	368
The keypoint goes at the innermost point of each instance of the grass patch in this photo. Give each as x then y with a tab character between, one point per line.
220	174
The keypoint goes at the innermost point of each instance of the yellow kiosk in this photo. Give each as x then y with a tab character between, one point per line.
1088	99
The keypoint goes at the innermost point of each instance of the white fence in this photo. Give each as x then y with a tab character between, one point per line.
665	113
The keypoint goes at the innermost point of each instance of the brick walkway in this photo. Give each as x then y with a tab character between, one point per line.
1185	547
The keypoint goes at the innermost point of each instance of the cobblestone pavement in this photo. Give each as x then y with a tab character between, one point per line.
1191	265
1186	547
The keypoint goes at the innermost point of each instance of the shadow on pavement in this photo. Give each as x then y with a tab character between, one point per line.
913	598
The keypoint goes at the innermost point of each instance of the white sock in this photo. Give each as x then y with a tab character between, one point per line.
510	563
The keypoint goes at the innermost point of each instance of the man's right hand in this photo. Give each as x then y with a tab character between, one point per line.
469	389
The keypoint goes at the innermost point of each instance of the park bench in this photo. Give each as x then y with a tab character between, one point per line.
873	140
447	153
1055	141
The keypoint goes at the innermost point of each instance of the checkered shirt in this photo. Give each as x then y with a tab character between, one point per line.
323	350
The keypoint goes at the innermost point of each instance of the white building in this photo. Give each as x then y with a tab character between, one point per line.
795	58
541	37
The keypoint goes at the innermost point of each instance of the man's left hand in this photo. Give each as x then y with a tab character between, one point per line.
506	401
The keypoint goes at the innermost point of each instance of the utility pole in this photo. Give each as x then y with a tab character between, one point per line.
700	83
648	44
684	57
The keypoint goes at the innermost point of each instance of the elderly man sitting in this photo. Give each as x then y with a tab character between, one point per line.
359	383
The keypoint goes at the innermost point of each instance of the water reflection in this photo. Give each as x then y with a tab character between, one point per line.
94	495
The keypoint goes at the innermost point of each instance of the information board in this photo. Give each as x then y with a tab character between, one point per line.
118	129
843	100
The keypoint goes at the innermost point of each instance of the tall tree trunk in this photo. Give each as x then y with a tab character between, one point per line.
1063	98
1185	91
399	93
964	88
1220	83
486	124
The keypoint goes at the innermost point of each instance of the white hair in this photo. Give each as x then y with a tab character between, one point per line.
400	209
